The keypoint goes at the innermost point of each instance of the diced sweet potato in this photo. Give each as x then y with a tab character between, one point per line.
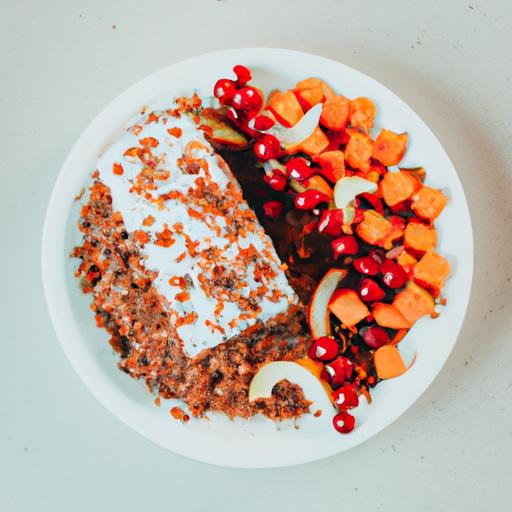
286	107
335	113
362	113
406	261
388	362
414	302
432	270
398	186
428	203
418	172
332	164
420	237
348	307
389	147
387	315
316	182
312	83
374	229
309	97
315	143
359	151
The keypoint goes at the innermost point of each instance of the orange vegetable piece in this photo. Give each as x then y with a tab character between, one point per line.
389	147
420	237
432	270
414	302
286	107
312	83
314	144
348	307
335	113
117	169
387	315
359	150
318	183
333	162
374	229
428	203
362	113
309	97
388	362
398	186
406	261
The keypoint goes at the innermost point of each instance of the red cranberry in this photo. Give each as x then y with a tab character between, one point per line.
370	291
247	98
345	397
331	222
273	209
344	422
267	147
276	182
242	73
263	123
299	168
310	199
339	371
324	349
366	265
375	337
344	245
224	90
393	275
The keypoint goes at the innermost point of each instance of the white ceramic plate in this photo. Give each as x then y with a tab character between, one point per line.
257	442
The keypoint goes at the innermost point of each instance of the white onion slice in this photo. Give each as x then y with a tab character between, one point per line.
347	188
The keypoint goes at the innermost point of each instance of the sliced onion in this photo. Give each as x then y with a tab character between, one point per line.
395	252
271	164
347	188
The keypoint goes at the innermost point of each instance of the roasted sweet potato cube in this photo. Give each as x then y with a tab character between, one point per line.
428	203
374	229
398	186
420	237
414	302
388	362
389	147
432	270
348	307
387	315
336	113
362	113
332	164
286	107
359	150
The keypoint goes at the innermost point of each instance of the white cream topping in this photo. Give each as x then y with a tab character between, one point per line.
169	261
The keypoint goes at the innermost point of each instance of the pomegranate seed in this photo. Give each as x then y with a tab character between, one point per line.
344	422
397	222
263	123
375	201
370	291
299	168
247	98
344	245
310	199
358	216
267	147
331	222
345	397
276	181
224	90
366	265
339	371
393	275
242	73
375	337
273	209
324	349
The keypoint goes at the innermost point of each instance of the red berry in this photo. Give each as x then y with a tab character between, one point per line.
366	265
375	337
242	73
344	245
378	255
331	222
263	123
276	182
370	291
345	397
267	147
310	199
324	349
344	422
273	209
358	216
393	275
397	222
299	168
376	202
247	98
339	371
224	90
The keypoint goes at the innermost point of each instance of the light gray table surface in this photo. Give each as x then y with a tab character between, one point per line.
62	61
